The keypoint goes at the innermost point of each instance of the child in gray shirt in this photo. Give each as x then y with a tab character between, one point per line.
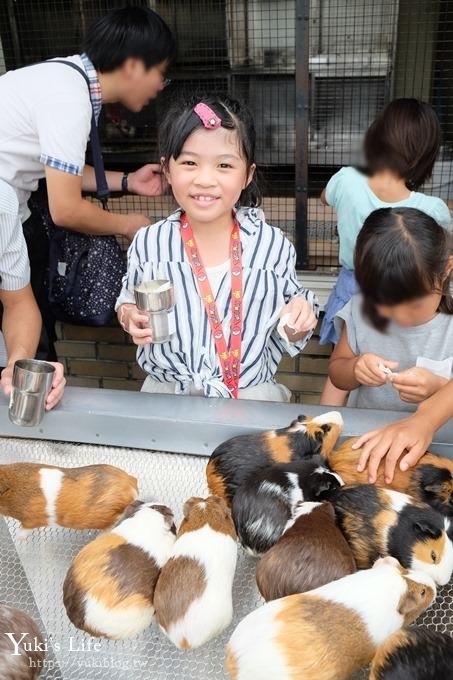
396	344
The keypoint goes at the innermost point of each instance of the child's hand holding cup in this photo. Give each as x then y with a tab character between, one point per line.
136	323
152	318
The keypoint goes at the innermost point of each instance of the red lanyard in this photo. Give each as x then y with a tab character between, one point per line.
230	359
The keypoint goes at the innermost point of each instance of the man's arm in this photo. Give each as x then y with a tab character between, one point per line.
68	209
21	328
147	181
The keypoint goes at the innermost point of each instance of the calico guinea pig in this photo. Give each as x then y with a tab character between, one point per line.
193	597
430	481
310	554
91	497
331	632
234	460
109	588
264	505
21	645
414	654
384	522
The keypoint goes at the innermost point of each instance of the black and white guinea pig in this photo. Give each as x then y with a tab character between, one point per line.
91	497
414	654
310	554
193	596
109	588
264	506
234	460
379	522
429	481
21	645
331	632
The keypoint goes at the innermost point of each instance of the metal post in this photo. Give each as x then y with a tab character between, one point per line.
302	109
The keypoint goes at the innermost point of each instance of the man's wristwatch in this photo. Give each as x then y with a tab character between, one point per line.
124	183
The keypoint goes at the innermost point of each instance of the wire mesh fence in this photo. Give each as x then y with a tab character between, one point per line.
314	72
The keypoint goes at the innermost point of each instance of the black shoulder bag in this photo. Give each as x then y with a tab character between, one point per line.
85	272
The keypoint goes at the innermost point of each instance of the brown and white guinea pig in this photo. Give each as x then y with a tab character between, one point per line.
193	597
430	481
21	645
264	505
331	632
109	588
234	460
384	522
310	554
91	497
414	654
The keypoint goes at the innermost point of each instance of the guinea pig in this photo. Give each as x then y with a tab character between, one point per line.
384	522
311	553
193	597
414	654
21	645
109	588
264	505
234	460
331	632
91	497
430	481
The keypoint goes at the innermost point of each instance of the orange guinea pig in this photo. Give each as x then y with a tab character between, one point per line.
430	481
92	497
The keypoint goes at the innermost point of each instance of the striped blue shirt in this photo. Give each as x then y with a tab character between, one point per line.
14	264
270	282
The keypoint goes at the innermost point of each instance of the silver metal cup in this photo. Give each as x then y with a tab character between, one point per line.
32	381
155	296
157	299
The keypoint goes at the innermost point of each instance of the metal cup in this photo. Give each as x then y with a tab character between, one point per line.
161	326
32	381
154	296
157	299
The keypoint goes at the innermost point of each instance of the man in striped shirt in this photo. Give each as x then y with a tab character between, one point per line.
45	124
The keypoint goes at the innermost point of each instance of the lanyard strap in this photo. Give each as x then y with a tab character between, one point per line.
230	359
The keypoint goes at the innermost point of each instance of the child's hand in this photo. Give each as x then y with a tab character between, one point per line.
413	435
367	370
417	384
302	317
135	322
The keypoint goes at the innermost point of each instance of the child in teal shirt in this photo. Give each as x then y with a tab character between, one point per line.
400	147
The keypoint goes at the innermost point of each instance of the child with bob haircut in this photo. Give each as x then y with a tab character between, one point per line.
239	305
400	148
396	342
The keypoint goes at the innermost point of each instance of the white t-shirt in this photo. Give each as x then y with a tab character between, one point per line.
216	274
45	117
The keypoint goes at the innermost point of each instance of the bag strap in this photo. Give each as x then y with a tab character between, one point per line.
102	189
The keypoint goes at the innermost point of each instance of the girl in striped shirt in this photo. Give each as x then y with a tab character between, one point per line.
239	305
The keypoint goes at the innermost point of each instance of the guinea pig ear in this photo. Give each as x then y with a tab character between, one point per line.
298	424
189	504
433	488
3	488
408	604
131	509
326	428
424	529
324	486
